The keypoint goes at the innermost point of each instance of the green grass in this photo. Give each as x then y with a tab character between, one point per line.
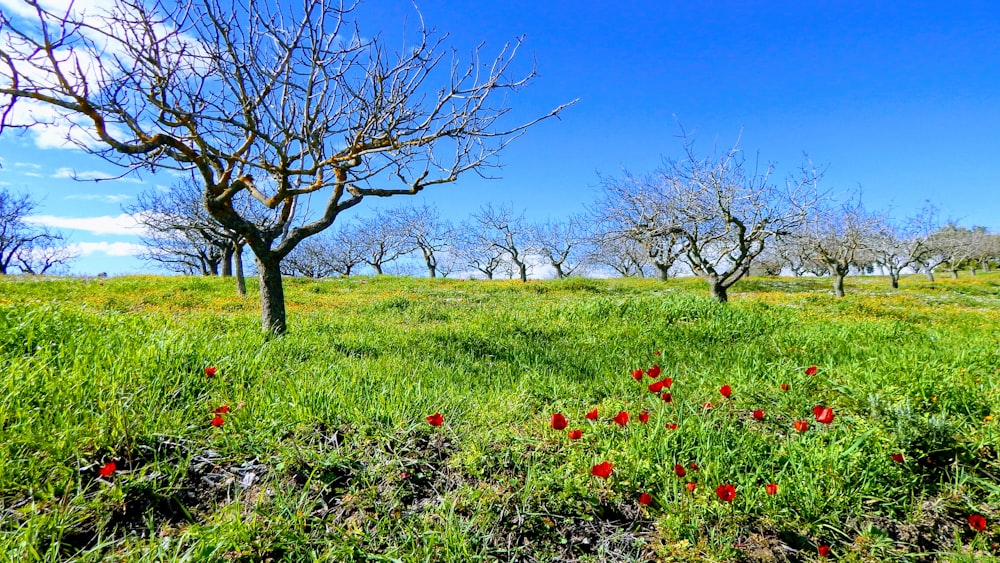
326	453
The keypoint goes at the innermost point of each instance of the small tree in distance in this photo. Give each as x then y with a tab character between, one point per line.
273	101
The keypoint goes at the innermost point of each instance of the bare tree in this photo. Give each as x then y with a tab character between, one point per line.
625	256
838	238
266	99
506	230
35	250
381	240
474	249
560	242
424	230
48	253
640	210
958	246
920	232
334	251
725	210
890	249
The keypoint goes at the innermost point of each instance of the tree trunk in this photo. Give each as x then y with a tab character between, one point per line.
954	274
718	291
227	260
894	280
378	268
930	275
272	297
559	271
522	270
664	271
838	284
241	284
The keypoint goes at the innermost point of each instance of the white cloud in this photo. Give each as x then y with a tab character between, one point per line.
103	198
31	165
109	248
124	224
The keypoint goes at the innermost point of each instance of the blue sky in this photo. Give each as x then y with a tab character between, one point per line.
901	101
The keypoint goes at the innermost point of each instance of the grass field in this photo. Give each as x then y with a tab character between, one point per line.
325	451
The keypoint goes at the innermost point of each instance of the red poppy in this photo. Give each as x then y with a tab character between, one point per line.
693	466
667	382
726	492
210	372
811	370
637	374
679	470
592	415
435	419
801	425
726	391
690	486
558	421
575	434
667	398
823	550
706	405
645	499
758	414
771	488
656	353
655	387
644	417
898	458
621	418
109	468
671	426
218	421
825	415
977	522
785	387
654	371
602	470
221	410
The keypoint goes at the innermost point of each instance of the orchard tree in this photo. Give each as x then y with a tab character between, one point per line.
725	210
838	238
381	240
560	242
423	229
506	230
625	256
289	104
474	249
34	250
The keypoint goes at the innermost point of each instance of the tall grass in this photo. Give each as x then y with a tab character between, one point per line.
326	453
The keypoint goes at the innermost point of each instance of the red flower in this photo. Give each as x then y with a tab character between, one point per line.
693	466
592	415
823	550
109	468
575	434
655	387
637	374
825	415
644	417
654	371
801	425
811	370
671	426
726	492
758	414
221	410
771	488
602	470
667	398
667	382
976	522
210	371
621	418
679	470
645	499
656	353
706	405
558	421
435	419
898	458
218	421
785	387
726	391
690	486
